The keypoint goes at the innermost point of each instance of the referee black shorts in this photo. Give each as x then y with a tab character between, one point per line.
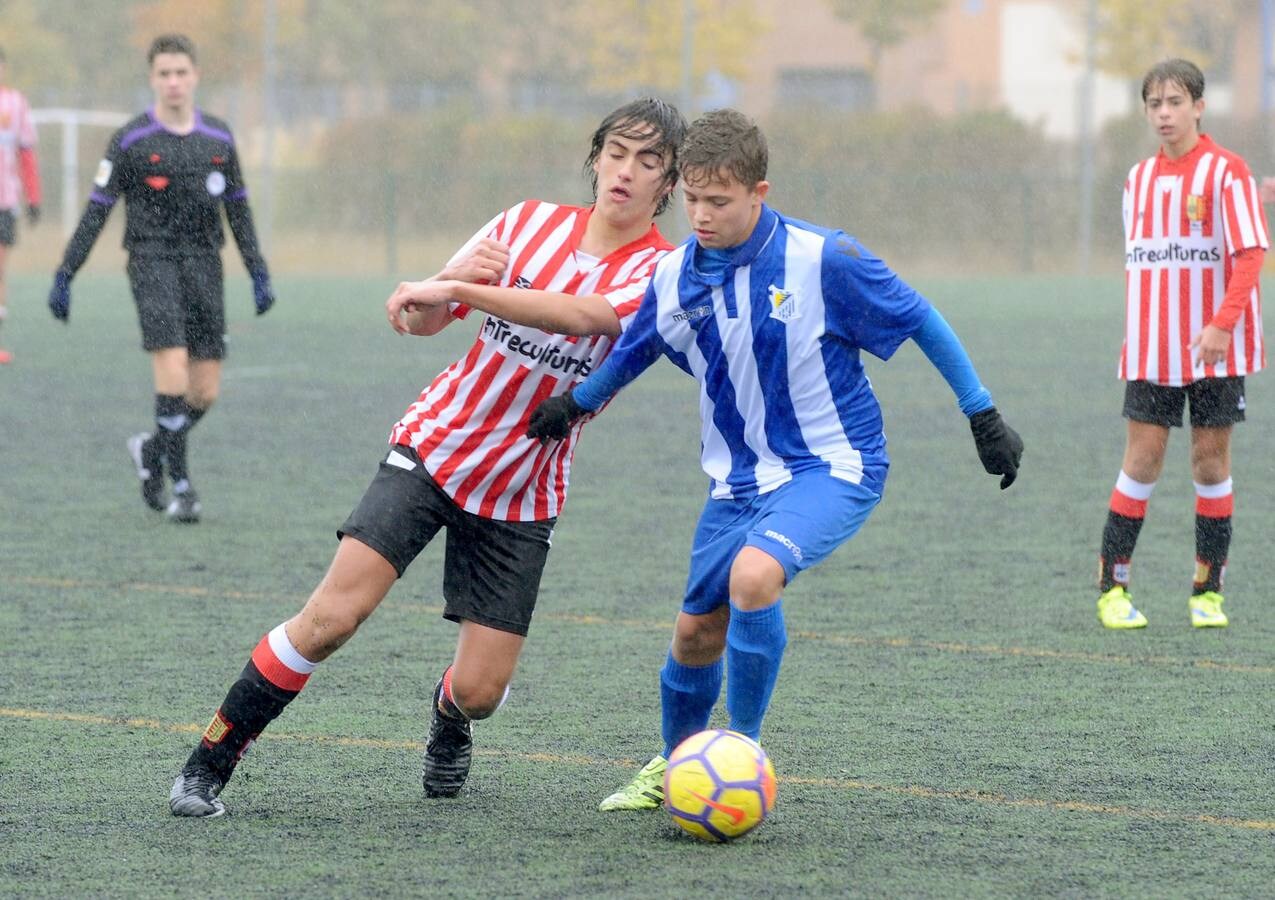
8	228
1215	402
180	303
491	568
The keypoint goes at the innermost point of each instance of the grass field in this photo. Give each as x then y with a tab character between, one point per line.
950	721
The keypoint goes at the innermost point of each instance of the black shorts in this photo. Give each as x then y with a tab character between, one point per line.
180	303
8	228
1215	402
491	568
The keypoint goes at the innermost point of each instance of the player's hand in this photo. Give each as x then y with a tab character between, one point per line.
1210	346
262	293
33	213
553	418
999	446
60	295
416	296
484	264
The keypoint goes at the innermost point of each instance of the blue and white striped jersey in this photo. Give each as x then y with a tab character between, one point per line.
774	342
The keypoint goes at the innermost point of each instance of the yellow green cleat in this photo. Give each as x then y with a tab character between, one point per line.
1116	610
645	791
1206	610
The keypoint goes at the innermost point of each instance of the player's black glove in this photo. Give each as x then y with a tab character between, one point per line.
262	295
33	213
999	446
553	418
60	295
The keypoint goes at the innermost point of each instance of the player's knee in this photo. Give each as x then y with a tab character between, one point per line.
699	640
480	700
756	579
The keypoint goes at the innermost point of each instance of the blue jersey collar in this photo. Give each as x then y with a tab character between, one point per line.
742	254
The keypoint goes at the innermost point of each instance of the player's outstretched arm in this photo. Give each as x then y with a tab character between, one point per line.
550	311
999	447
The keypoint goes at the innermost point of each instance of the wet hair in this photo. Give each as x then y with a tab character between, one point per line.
642	120
170	43
723	141
1182	72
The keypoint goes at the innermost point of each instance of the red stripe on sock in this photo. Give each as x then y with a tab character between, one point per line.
447	687
1215	507
1124	505
275	672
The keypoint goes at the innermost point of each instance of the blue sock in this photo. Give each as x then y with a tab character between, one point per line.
687	695
755	642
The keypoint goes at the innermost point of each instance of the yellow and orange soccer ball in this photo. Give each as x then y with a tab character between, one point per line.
719	785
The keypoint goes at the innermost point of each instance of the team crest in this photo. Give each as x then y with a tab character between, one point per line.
217	729
783	304
1195	210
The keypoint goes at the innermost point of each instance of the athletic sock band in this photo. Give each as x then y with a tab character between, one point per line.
1216	501
280	663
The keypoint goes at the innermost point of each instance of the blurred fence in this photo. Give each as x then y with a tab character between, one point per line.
980	193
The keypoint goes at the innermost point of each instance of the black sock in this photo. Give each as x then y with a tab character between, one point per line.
1119	537
172	421
1212	545
251	704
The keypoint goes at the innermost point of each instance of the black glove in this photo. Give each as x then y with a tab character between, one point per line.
999	446
60	295
262	295
33	213
553	418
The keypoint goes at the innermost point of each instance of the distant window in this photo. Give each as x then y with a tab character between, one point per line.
845	89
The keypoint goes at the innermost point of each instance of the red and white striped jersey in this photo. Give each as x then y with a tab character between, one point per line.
1183	221
16	132
469	425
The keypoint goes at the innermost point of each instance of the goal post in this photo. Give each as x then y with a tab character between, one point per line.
71	120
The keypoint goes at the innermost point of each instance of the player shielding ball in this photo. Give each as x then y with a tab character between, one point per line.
176	168
769	314
1195	241
565	281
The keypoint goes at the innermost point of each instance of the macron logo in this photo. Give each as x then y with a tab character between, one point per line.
695	312
784	539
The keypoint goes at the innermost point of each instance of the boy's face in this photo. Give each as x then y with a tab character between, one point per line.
173	79
721	210
1172	113
632	178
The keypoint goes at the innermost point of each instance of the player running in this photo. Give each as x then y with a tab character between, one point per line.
769	314
176	167
460	459
1195	240
19	176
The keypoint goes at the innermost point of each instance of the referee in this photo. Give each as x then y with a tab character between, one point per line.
175	167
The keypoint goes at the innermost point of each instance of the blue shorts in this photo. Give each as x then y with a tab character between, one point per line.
798	525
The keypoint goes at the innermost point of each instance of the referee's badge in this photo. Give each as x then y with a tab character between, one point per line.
216	183
783	304
103	176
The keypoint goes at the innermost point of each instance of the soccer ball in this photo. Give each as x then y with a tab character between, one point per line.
719	785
